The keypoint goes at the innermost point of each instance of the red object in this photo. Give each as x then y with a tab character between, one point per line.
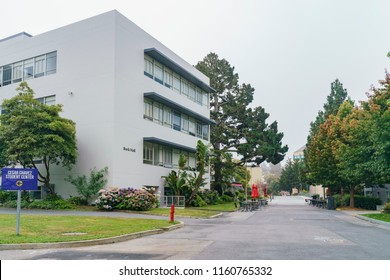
265	191
172	213
255	191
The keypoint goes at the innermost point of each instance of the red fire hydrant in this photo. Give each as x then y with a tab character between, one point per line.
172	213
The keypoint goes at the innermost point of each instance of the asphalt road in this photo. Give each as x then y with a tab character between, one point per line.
287	229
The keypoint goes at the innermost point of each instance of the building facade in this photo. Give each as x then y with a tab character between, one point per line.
136	104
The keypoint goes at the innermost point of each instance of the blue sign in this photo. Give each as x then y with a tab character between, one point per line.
14	179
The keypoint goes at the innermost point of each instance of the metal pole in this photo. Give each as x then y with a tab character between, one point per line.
246	179
18	211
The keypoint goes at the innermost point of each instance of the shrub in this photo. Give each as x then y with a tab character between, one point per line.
363	202
226	198
50	202
210	197
198	201
77	200
107	199
89	187
13	204
7	196
125	199
56	204
135	199
340	201
386	208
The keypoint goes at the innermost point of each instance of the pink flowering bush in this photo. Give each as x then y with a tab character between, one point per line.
107	198
125	199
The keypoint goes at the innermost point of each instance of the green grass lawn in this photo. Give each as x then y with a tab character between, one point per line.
381	217
200	212
43	229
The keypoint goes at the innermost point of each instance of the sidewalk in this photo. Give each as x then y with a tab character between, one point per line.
359	213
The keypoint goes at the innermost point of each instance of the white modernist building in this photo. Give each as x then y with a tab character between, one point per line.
136	104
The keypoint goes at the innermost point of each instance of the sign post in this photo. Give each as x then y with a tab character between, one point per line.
19	179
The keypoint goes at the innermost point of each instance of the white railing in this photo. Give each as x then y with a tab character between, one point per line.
177	200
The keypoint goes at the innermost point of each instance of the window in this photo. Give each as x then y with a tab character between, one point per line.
28	69
39	66
35	67
148	153
148	69
177	121
157	155
176	83
47	100
205	132
168	157
17	72
199	96
191	161
175	158
205	101
148	109
192	92
172	80
185	88
7	75
157	113
184	123
167	117
191	126
158	72
51	63
168	78
199	130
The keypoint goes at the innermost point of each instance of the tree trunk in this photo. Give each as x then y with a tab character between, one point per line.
352	197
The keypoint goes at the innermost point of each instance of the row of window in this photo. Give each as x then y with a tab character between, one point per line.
165	116
35	67
160	155
47	100
165	76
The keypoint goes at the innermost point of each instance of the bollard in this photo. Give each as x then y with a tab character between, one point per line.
172	214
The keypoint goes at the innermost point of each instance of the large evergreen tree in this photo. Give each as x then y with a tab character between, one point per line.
334	100
239	129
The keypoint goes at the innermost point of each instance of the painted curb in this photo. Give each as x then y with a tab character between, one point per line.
83	243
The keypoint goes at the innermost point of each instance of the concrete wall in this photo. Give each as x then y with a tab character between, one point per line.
100	81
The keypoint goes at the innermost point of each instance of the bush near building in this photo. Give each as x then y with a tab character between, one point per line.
125	199
363	202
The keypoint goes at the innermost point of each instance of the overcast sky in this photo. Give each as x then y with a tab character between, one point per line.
290	51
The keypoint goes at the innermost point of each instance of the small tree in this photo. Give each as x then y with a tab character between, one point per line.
89	187
201	163
31	131
176	181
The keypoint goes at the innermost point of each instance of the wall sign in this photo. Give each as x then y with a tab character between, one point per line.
129	149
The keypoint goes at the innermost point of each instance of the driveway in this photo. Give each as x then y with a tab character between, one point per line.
287	229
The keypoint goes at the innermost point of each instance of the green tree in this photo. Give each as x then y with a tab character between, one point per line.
202	160
292	176
239	128
320	163
176	182
363	152
89	187
334	100
32	131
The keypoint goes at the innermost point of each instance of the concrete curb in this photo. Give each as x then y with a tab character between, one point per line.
83	243
373	221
